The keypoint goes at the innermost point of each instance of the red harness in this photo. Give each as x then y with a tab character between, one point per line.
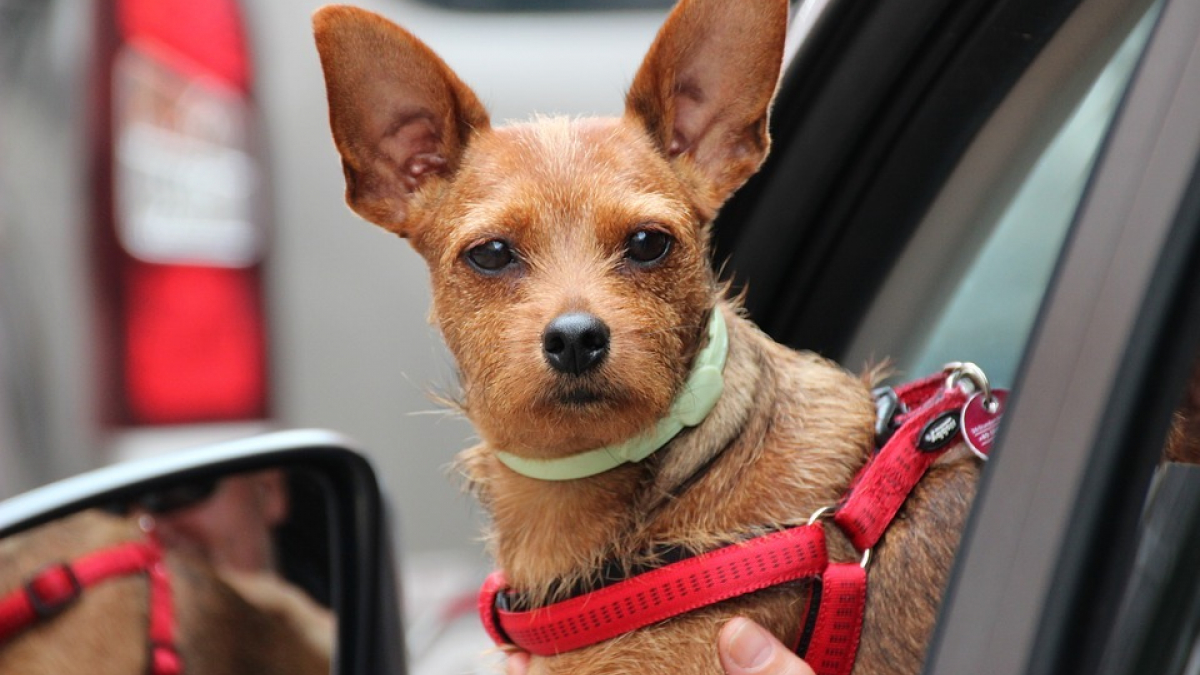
57	586
930	415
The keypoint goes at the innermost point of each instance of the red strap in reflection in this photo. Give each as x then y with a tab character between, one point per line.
58	586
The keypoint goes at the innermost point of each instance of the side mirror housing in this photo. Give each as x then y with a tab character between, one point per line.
362	583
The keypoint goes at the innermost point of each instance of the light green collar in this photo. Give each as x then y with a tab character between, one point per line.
695	399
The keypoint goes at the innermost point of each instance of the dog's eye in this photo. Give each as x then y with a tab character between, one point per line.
647	246
491	256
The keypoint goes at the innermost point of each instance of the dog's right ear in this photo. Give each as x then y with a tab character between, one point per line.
704	90
400	116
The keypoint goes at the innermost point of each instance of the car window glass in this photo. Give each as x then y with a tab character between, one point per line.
986	296
991	313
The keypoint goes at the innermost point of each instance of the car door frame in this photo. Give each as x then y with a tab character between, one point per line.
874	90
1043	563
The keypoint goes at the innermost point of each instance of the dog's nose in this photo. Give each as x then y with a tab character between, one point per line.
575	342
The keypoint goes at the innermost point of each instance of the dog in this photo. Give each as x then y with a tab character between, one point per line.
572	282
106	630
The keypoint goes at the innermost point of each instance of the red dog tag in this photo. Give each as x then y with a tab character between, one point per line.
981	420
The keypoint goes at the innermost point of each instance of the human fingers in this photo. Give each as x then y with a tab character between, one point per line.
748	649
517	663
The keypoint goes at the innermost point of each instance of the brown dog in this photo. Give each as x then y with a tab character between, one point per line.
105	632
572	282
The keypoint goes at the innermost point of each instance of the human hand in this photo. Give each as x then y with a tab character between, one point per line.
748	649
745	649
517	663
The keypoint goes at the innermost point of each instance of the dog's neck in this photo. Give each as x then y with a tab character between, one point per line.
692	453
547	534
694	401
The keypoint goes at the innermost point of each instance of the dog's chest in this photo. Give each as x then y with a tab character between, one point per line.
805	431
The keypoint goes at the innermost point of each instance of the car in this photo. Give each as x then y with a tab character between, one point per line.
1012	183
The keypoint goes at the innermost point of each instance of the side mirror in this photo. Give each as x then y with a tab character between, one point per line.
323	531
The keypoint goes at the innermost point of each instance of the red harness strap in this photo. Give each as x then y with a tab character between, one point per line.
834	641
659	594
884	483
56	587
929	423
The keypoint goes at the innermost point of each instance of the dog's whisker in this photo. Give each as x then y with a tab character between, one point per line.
448	412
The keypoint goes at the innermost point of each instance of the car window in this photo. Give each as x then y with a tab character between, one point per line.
991	312
982	300
1040	576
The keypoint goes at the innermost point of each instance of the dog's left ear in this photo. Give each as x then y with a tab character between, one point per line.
705	88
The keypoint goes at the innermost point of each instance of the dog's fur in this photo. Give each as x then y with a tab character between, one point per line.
104	632
422	160
1183	441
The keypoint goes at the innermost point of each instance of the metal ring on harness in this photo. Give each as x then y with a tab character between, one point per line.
827	513
823	513
960	370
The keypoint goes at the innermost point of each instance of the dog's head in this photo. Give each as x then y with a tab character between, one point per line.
569	257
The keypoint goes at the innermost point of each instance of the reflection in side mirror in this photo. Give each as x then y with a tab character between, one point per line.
95	587
271	522
253	557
